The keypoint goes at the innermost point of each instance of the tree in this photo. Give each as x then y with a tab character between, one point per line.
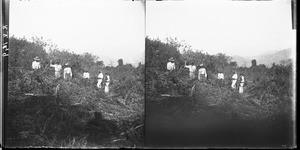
120	62
158	53
263	66
88	59
22	52
100	63
287	62
233	64
140	64
253	63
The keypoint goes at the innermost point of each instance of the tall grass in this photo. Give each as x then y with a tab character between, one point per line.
44	111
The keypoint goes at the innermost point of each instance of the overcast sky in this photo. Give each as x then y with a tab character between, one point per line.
109	29
233	27
116	29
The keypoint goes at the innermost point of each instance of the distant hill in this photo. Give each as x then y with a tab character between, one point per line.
241	61
267	59
276	57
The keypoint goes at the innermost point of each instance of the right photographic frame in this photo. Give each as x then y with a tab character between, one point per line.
220	74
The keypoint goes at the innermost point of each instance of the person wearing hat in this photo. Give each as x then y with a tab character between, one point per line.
202	75
86	77
234	80
107	81
221	75
57	68
171	64
192	69
100	79
67	72
36	64
220	78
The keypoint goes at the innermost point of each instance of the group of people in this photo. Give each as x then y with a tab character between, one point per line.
67	73
100	78
202	74
235	80
238	79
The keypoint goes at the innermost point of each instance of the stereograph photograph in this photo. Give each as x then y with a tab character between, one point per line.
148	74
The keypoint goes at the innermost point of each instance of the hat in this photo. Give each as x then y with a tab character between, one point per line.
171	59
201	65
67	64
36	58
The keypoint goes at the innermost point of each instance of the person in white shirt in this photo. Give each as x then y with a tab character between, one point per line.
100	79
57	68
171	64
202	75
192	69
234	80
242	81
36	64
67	72
220	78
107	81
86	77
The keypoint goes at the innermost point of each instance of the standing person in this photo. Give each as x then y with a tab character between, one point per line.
107	81
234	80
192	69
36	64
86	77
221	78
202	75
67	72
100	78
242	81
57	69
171	64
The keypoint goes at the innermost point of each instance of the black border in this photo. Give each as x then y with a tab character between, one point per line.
4	55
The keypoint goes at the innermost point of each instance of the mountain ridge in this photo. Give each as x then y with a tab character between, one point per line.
266	59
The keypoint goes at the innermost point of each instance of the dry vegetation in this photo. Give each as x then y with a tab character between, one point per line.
259	117
67	113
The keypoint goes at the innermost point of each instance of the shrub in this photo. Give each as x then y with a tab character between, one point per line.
68	117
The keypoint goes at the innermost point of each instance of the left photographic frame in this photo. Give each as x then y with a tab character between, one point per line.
74	74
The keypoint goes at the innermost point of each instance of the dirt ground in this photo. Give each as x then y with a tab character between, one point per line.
181	122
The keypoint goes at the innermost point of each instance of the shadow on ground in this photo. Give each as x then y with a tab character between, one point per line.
179	122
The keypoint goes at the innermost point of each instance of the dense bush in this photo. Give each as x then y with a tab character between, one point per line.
268	89
185	112
61	113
